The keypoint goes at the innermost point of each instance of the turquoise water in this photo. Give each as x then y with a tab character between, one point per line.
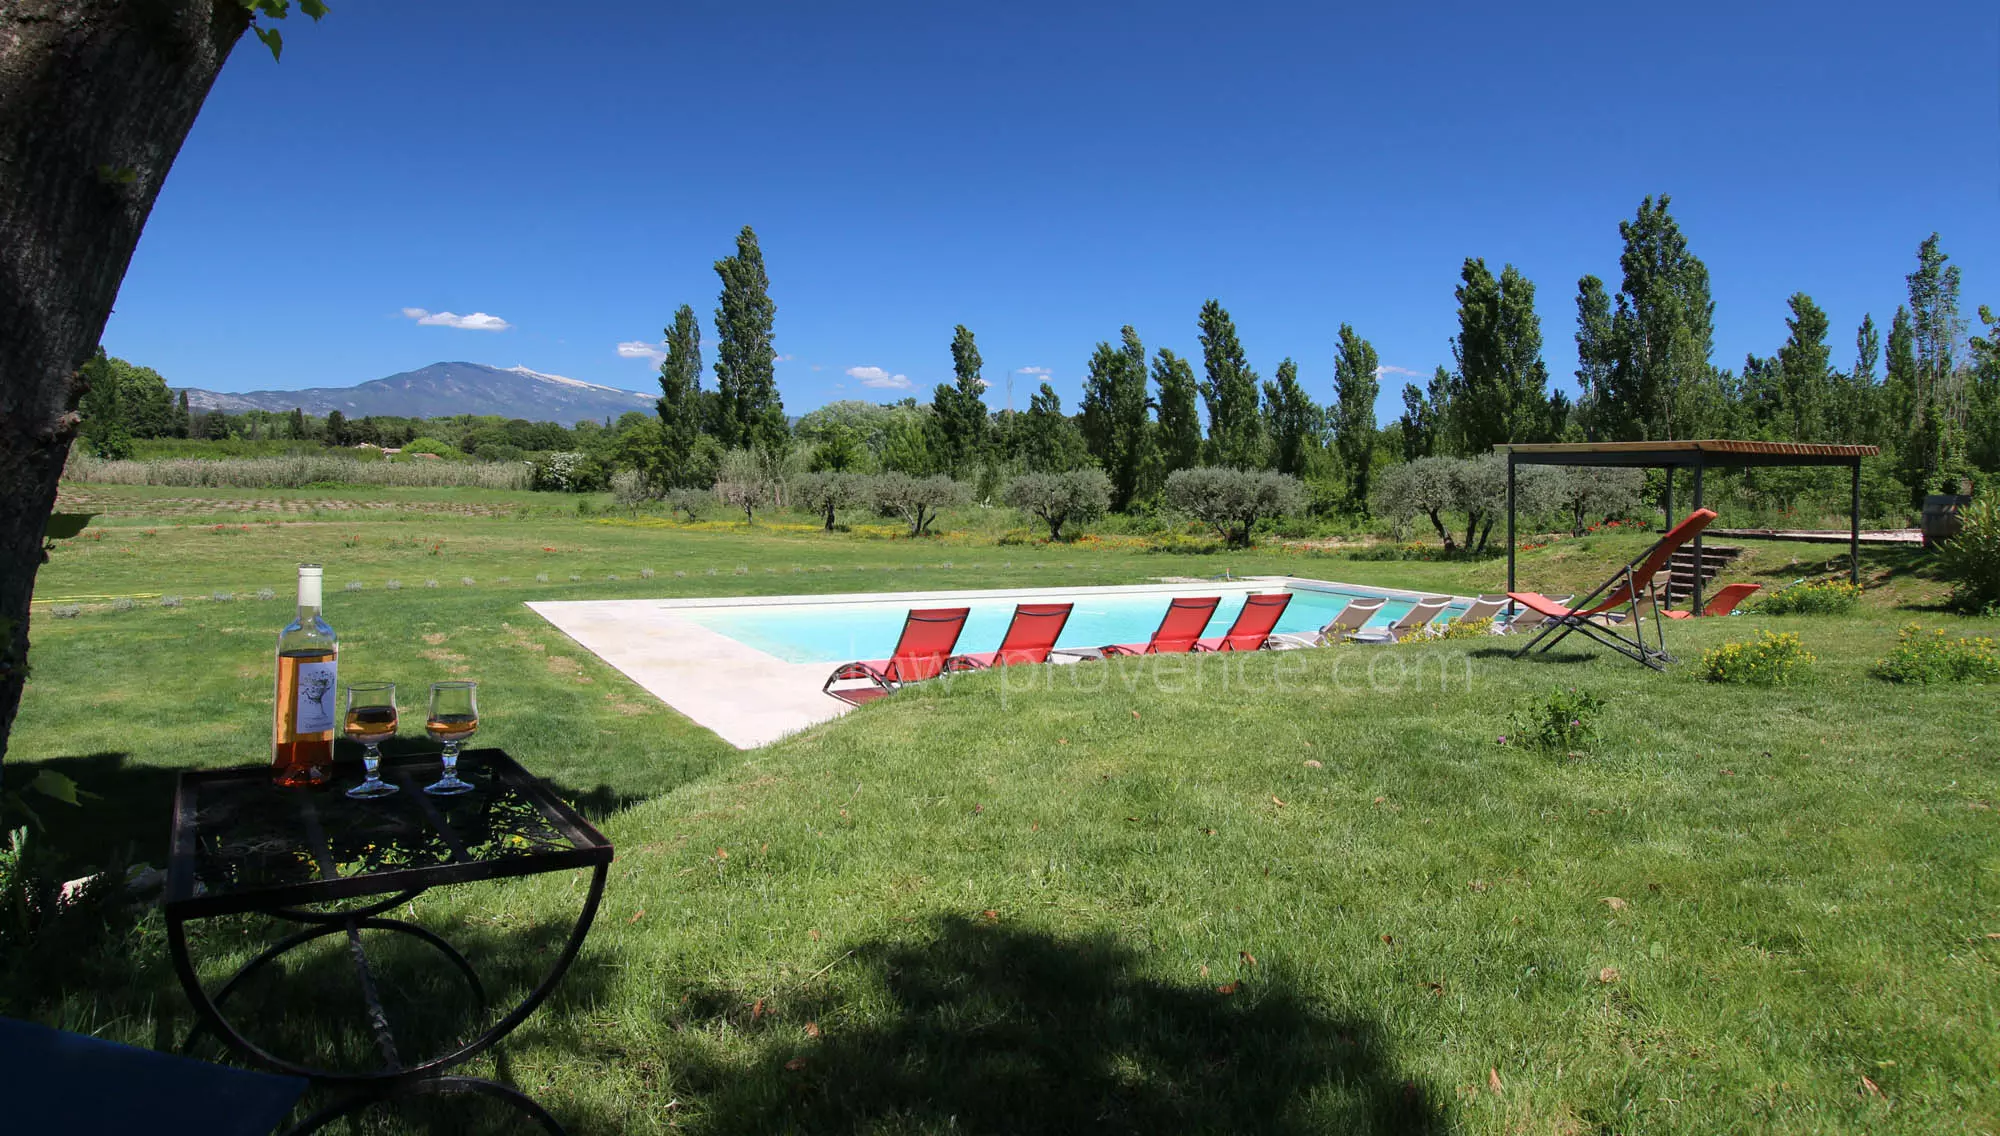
837	633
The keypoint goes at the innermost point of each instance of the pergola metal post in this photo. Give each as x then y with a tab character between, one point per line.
1854	527
1510	531
1700	564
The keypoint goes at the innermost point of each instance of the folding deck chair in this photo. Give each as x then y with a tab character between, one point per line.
928	636
1030	637
1252	629
1351	618
1622	594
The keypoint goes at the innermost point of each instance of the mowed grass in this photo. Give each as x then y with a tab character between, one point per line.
1300	893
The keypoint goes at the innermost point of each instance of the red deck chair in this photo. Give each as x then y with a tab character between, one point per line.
1253	626
1183	624
1722	603
1620	594
928	636
1029	639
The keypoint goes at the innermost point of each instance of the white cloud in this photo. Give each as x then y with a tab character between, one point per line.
1032	371
475	321
781	358
1388	370
879	378
640	349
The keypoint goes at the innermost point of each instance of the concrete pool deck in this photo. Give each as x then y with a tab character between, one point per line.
751	698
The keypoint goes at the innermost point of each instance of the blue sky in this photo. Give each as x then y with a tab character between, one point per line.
1043	173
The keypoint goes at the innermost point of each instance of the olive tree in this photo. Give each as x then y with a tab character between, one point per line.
1424	487
916	499
1581	493
743	482
1080	495
1232	501
825	491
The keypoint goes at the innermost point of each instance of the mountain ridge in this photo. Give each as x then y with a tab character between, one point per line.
443	389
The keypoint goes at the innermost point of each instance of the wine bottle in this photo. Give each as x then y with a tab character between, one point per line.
306	713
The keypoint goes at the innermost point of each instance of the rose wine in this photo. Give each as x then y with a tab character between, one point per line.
306	709
371	723
452	727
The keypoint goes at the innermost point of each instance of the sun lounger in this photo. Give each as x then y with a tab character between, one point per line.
1183	624
1721	603
1349	619
1252	629
1030	637
1412	623
928	636
1622	593
1526	619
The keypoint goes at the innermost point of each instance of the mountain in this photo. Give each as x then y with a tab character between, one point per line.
443	389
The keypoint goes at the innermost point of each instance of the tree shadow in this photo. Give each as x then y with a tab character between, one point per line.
985	1029
127	818
1536	658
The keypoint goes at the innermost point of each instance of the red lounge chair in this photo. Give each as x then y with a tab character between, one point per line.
1622	593
1722	603
1183	624
1029	639
1252	629
928	636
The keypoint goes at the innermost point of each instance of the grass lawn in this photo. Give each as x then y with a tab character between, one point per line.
1302	892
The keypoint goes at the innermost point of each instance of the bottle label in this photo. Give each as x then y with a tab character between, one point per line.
316	698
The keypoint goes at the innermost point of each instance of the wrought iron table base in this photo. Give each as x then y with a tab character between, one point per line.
396	1079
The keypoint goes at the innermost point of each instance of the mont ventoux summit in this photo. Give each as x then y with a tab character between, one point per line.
443	389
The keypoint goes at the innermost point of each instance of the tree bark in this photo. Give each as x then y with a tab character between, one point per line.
96	98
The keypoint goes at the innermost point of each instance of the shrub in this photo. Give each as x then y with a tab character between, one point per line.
1812	597
433	446
1774	659
1971	560
1231	501
826	491
1058	499
630	489
1932	658
1564	722
567	471
916	499
1463	628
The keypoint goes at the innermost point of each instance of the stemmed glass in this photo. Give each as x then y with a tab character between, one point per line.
371	720
454	717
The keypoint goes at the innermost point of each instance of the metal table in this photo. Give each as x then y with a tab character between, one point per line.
337	865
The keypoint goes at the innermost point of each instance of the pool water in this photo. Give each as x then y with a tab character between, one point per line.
839	632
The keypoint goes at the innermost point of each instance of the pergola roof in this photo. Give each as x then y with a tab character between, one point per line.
1686	452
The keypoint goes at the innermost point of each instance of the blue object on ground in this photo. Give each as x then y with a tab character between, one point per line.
52	1081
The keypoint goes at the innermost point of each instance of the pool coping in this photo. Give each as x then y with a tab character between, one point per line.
751	698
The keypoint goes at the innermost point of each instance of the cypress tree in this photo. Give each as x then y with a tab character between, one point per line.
1293	421
1595	355
1180	422
1235	434
959	408
1662	330
1500	391
1355	386
1047	440
748	409
1114	423
1419	424
1805	379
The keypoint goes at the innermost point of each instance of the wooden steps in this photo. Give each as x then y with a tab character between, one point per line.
1714	558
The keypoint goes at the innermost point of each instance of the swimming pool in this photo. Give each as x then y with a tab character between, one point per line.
837	631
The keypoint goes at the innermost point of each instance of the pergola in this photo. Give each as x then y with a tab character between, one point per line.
1698	455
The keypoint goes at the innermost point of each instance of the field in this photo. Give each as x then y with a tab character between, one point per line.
1307	892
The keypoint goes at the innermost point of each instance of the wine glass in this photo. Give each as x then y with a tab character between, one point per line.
371	720
454	717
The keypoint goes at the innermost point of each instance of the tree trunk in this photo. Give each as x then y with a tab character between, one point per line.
96	97
1437	523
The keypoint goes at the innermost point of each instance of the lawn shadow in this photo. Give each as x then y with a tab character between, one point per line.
1537	658
126	819
984	1029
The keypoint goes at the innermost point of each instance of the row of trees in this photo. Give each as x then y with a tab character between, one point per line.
1645	372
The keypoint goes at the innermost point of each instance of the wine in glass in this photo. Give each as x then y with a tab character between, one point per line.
454	717
371	720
